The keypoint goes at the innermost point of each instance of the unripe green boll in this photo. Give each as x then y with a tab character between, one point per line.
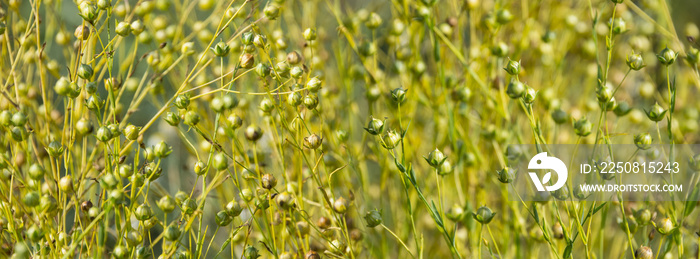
313	141
375	126
506	175
310	102
391	139
643	252
223	219
667	56
309	34
634	61
271	11
512	67
65	184
250	252
435	158
253	133
656	113
172	119
246	60
583	127
484	215
515	89
166	204
220	162
643	141
192	118
340	205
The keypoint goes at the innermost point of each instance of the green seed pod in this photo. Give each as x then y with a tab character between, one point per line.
172	119
375	126
561	193
88	12
192	118
506	175
635	62
260	41
340	205
230	101
35	233
583	127
266	105
622	109
234	208
108	181
313	141
529	95
48	204
137	180
391	139
253	133
36	171
512	67
282	69
455	213
123	29
220	162
338	247
643	141
189	206
250	252
310	102
116	196
182	101
162	150
435	158
294	99
503	16
516	89
103	134
461	94
309	34
247	38
221	49
656	113
19	119
342	135
271	11
642	216
120	252
234	121
484	215
172	233
31	199
131	132
65	184
133	238
85	71
143	212
55	149
667	56
268	181
314	84
445	168
19	133
5	118
643	252
559	116
373	21
398	95
93	212
84	126
665	226
143	252
263	70
166	204
500	50
200	168
246	60
618	25
223	218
